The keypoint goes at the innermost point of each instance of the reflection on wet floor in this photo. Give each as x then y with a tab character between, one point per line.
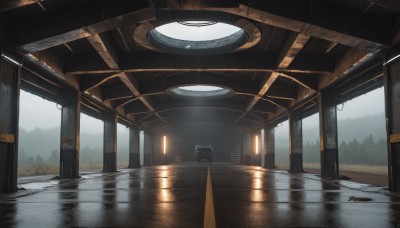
174	195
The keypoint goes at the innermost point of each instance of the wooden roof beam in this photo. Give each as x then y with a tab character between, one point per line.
349	29
293	45
13	4
159	62
46	31
109	56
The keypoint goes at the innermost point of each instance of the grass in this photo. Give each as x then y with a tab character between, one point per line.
375	169
37	170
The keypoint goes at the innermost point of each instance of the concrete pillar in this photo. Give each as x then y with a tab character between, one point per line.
269	144
134	147
9	116
110	143
328	136
392	110
70	123
148	148
295	144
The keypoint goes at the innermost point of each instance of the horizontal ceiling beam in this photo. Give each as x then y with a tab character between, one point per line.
154	62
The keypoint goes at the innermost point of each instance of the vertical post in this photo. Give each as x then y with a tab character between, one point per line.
110	143
148	148
9	117
269	144
70	123
392	104
295	144
134	148
328	137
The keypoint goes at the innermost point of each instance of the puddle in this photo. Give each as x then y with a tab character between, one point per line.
38	185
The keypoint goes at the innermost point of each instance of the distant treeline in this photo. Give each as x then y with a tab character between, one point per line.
368	151
86	156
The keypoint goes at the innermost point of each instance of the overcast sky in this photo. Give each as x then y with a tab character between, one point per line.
38	112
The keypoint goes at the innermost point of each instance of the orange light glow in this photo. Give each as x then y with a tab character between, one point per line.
165	144
256	144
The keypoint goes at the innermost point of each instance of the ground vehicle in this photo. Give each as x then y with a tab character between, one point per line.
203	152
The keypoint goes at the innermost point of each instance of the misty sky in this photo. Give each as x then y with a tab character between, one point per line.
38	112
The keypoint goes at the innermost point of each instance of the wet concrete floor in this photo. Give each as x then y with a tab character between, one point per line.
174	196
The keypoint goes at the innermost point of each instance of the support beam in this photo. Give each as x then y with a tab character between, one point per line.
269	144
70	128
6	5
43	32
148	148
109	56
9	118
91	81
110	143
160	62
295	143
314	19
292	47
134	147
349	62
392	104
328	137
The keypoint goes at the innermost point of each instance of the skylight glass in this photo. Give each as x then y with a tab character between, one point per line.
200	91
201	88
197	30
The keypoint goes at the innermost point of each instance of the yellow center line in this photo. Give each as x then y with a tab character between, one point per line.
209	214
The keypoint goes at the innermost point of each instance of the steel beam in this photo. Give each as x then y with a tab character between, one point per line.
110	143
328	136
9	117
70	123
134	153
392	104
295	143
269	144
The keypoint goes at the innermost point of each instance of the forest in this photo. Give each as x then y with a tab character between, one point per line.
361	141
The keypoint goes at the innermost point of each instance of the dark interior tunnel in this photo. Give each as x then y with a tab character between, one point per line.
224	138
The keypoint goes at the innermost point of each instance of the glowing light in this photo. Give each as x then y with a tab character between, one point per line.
201	88
197	30
256	144
165	144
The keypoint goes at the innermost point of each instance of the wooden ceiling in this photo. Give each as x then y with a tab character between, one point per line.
306	46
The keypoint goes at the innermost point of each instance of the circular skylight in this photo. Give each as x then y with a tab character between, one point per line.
201	88
200	91
197	30
197	37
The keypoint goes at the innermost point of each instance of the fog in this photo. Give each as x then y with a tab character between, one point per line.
48	115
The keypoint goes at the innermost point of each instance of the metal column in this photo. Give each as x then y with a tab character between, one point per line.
134	148
110	143
9	115
70	123
328	137
295	144
148	148
269	143
392	103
